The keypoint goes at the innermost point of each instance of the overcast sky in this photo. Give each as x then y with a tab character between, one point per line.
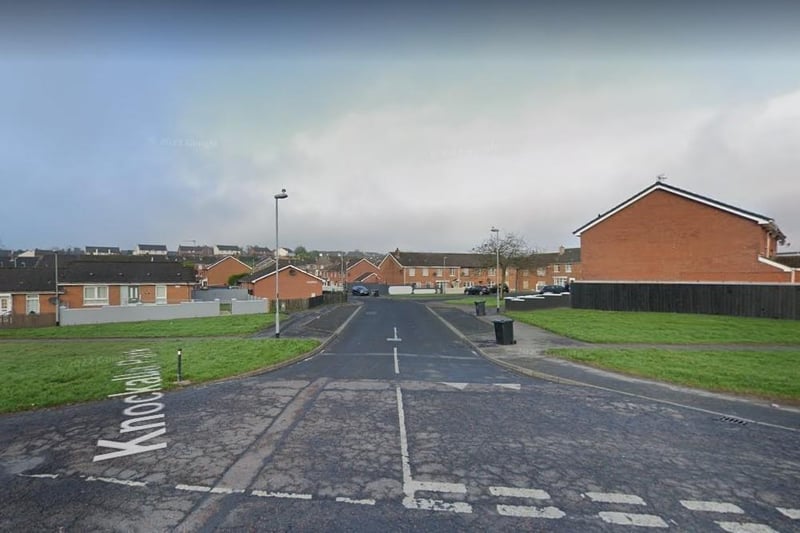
402	125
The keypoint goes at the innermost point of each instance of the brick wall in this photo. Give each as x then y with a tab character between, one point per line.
665	237
218	274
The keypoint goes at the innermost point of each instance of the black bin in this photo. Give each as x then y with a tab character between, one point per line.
504	331
480	308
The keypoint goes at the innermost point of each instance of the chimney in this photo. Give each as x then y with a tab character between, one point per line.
561	250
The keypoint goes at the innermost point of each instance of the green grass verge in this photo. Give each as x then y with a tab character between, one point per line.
772	375
661	328
42	374
217	326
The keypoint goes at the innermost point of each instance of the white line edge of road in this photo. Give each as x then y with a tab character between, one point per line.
556	379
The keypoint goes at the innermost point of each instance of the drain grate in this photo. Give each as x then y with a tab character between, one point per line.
733	420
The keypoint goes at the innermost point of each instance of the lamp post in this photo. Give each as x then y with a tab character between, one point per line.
280	196
497	268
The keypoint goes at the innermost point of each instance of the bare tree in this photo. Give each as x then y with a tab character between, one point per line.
512	250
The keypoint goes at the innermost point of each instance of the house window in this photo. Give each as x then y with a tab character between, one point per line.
161	294
425	272
560	280
568	267
439	272
453	272
95	295
555	267
32	304
133	294
526	272
492	271
5	304
465	272
525	285
412	272
541	272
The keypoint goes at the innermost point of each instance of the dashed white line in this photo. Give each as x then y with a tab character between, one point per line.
367	501
615	497
118	481
459	386
225	490
631	519
521	511
40	476
738	527
285	495
512	386
514	492
711	507
193	488
426	504
794	514
396	362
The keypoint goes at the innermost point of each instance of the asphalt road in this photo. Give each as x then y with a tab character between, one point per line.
398	424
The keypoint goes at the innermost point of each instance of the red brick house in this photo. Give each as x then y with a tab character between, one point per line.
667	234
363	271
218	274
293	284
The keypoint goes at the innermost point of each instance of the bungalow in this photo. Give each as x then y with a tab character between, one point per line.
102	250
26	291
226	249
667	234
150	249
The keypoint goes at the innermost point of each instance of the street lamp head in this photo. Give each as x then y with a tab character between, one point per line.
281	195
495	230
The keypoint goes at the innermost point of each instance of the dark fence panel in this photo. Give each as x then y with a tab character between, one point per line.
293	306
535	304
770	301
27	321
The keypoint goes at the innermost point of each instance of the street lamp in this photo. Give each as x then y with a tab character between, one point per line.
280	196
497	268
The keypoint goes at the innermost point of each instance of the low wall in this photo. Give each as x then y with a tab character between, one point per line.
225	296
249	307
137	313
534	303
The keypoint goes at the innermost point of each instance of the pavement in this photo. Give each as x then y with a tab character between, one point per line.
528	356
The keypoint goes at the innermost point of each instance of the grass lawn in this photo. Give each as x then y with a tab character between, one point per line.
772	375
41	374
218	326
661	328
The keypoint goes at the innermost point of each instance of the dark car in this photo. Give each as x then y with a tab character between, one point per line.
493	289
553	289
477	289
360	290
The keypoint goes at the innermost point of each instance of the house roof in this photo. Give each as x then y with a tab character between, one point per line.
228	247
767	223
152	247
437	259
104	249
569	255
122	272
18	280
229	258
263	274
365	276
357	261
791	260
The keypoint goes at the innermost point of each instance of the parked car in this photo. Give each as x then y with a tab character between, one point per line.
552	289
477	289
493	289
360	290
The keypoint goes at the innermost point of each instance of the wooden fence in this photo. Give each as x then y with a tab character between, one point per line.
27	321
752	300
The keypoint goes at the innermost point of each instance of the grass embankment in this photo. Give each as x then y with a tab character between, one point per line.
41	374
763	372
218	326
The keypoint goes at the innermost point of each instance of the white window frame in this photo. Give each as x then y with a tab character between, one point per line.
465	272
560	280
8	308
92	295
412	272
161	299
32	304
453	272
439	273
541	271
568	267
134	294
555	267
425	272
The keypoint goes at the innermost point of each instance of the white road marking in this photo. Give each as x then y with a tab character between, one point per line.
794	514
404	445
737	527
117	481
514	492
512	386
396	362
225	490
355	502
395	338
630	519
193	488
286	495
711	507
552	513
40	476
426	504
435	486
615	497
459	386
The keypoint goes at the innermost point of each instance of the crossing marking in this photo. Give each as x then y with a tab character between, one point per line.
794	514
521	511
283	495
435	486
514	492
631	519
711	507
747	527
615	497
426	504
